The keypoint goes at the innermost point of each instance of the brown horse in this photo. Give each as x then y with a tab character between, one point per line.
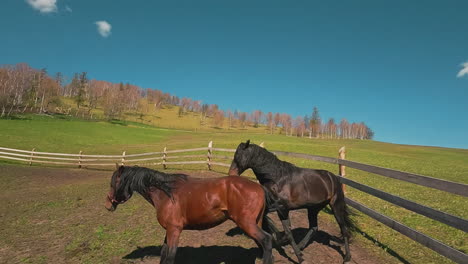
183	202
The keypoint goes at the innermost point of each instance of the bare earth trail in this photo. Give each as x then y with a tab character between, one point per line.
222	244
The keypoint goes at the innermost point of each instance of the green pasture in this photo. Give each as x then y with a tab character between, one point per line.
68	135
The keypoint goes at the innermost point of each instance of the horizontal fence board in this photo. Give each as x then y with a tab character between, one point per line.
17	150
54	158
36	157
186	150
61	154
99	159
443	185
221	164
220	157
437	215
40	161
185	162
306	156
427	241
15	154
144	159
13	158
185	156
144	154
224	149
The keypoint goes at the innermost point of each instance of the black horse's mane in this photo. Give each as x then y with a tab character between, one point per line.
269	163
140	179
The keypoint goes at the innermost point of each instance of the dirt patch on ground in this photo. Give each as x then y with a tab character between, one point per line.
222	244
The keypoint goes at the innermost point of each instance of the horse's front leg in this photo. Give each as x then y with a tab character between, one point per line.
284	217
269	226
169	248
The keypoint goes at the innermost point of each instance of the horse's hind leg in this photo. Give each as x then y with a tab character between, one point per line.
261	237
312	216
169	248
341	215
284	217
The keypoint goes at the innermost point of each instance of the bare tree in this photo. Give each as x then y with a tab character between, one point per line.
256	117
299	126
218	118
230	117
277	119
270	122
242	119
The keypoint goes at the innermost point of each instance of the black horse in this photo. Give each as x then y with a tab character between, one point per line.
291	188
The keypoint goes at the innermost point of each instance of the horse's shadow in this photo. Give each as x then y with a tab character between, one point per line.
208	255
298	233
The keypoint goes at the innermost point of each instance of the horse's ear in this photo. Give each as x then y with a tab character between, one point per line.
247	143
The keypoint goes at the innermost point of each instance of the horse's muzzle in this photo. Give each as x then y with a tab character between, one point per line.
112	208
110	204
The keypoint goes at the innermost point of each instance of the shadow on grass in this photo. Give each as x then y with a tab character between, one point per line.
383	246
17	117
118	122
208	255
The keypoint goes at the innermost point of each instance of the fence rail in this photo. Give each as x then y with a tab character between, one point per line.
443	185
83	160
160	158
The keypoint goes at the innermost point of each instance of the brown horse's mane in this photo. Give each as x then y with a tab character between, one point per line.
140	179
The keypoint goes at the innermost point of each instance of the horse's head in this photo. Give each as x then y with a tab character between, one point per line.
243	155
118	193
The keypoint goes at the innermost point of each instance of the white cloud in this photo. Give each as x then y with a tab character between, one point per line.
44	6
104	28
463	71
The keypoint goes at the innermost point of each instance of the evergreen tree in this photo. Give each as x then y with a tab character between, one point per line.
315	123
82	83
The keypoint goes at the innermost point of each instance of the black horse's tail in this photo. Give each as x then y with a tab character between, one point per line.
341	209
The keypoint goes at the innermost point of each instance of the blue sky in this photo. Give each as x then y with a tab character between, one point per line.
391	64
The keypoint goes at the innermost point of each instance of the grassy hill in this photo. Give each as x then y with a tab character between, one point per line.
70	135
167	116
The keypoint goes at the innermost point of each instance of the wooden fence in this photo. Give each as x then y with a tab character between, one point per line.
160	158
443	185
89	160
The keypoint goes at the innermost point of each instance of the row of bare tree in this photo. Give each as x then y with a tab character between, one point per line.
23	88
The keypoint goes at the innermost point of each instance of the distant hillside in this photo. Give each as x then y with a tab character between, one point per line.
27	90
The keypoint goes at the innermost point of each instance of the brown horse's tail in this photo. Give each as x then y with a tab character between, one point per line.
271	203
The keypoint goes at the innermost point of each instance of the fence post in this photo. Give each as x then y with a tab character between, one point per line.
210	151
32	155
164	158
79	159
123	159
342	168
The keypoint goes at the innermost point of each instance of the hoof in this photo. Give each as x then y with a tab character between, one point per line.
347	260
291	251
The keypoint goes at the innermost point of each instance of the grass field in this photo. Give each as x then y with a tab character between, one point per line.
72	135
